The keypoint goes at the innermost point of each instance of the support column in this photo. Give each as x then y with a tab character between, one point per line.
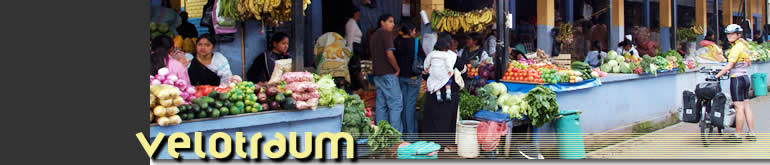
512	9
665	25
298	41
647	13
700	13
727	12
618	22
545	23
569	8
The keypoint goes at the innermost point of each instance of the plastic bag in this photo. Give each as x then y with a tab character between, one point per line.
281	66
488	133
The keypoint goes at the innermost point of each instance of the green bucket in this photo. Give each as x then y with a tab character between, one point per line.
570	136
760	84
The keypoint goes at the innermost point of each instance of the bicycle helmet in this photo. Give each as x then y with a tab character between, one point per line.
733	28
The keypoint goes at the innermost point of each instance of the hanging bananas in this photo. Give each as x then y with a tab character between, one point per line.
453	21
273	12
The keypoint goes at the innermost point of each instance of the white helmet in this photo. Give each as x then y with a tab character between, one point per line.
733	28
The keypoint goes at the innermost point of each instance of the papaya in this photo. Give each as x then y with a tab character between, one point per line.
178	41
188	45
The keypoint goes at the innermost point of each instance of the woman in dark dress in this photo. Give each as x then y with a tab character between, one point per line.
262	68
438	124
206	66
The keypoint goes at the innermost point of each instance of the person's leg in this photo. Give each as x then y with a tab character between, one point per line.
381	105
410	105
393	100
404	85
747	106
740	116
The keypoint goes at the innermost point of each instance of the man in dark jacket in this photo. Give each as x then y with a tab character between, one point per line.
187	29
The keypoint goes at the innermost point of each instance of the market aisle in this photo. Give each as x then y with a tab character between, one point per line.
681	141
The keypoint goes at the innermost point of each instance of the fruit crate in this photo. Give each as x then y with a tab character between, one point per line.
563	60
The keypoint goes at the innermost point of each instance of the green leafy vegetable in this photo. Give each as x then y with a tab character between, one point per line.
469	104
383	137
542	105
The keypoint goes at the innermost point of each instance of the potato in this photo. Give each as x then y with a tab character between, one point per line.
174	120
159	111
171	111
163	121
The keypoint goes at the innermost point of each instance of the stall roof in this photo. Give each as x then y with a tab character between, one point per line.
688	3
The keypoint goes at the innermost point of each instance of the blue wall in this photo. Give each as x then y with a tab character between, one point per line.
254	45
624	99
370	16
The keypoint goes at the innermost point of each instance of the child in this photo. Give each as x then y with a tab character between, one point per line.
593	58
439	64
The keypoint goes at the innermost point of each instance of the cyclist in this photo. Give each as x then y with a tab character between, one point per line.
737	63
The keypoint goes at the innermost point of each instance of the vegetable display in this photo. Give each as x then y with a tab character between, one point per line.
542	105
329	93
355	119
383	137
187	91
163	101
513	105
469	104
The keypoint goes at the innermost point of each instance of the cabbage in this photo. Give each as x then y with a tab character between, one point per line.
625	68
605	68
616	69
612	53
501	100
620	59
497	89
613	63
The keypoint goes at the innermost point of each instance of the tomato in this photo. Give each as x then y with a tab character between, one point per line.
529	79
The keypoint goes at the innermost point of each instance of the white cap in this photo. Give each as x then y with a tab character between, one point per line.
732	28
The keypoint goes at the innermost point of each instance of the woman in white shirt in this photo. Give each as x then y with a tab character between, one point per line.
627	47
207	67
352	31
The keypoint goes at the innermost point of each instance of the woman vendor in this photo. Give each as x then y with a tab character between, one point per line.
262	68
208	67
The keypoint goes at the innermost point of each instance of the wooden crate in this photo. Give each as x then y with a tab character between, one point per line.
563	60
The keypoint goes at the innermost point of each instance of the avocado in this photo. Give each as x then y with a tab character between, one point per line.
226	104
213	94
223	96
209	110
239	104
196	108
182	108
218	104
202	114
204	105
215	114
224	111
190	115
289	104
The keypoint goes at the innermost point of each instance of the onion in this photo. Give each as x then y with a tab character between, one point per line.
179	83
168	82
172	77
155	82
152	77
160	78
162	72
190	90
184	95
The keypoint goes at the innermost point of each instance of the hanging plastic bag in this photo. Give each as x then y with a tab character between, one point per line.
489	133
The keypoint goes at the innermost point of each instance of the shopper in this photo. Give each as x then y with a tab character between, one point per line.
593	58
262	68
353	37
738	62
407	48
473	52
438	124
714	52
490	44
626	46
160	57
389	99
187	29
206	66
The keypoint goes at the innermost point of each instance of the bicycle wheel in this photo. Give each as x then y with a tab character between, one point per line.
705	130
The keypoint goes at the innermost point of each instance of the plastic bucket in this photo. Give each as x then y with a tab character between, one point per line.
570	136
467	145
760	84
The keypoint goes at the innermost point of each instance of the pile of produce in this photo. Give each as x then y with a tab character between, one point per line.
273	12
542	105
513	105
487	72
542	57
222	102
548	73
615	63
330	95
355	119
760	52
469	104
163	77
565	35
159	30
383	137
302	89
453	21
163	101
689	34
